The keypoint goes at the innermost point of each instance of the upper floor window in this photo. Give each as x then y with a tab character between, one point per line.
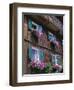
35	27
51	37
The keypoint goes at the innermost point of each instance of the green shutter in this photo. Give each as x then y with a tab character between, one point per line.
41	55
30	24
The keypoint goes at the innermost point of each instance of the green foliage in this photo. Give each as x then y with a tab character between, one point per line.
48	68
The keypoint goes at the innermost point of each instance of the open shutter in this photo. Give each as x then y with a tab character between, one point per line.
41	55
30	24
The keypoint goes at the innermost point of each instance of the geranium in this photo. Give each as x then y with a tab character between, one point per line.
37	64
40	66
57	67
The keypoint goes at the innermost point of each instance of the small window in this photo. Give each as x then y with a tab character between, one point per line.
35	27
51	37
32	25
57	59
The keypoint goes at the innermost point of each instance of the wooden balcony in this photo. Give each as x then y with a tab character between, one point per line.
51	23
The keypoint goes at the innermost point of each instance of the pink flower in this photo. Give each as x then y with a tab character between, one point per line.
32	64
38	64
56	66
42	65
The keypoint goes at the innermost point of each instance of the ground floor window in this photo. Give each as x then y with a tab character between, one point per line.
57	62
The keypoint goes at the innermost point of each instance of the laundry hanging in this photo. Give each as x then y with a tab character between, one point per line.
40	30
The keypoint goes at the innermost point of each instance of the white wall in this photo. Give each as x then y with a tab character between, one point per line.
4	46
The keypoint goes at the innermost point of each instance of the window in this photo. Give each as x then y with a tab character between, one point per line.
56	59
32	25
36	54
51	37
